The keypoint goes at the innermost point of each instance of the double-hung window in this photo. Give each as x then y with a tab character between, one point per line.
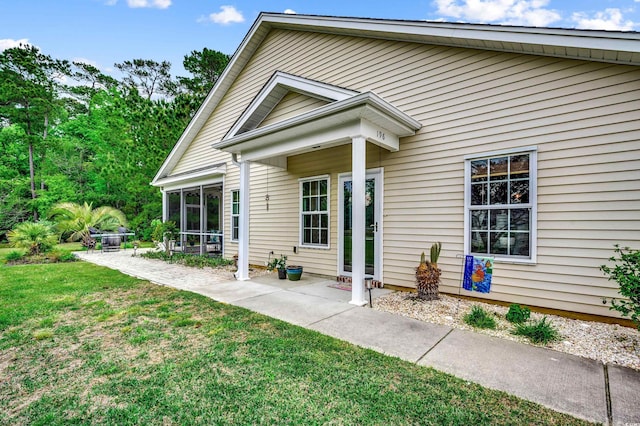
314	212
235	215
500	205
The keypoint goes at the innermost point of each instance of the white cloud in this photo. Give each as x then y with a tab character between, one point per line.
158	4
227	15
7	43
511	12
110	2
293	12
86	61
609	19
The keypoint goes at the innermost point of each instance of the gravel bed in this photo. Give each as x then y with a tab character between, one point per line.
608	343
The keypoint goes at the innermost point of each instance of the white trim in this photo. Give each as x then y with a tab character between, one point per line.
231	215
326	177
275	89
533	196
195	183
377	174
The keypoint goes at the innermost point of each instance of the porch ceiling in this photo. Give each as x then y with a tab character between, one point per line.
365	115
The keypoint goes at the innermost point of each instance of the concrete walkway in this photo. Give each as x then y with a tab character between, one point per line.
581	387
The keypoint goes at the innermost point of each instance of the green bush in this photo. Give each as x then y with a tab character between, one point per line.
626	272
37	237
188	259
518	314
13	256
539	332
479	318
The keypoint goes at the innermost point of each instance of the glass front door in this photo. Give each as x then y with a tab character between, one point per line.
372	225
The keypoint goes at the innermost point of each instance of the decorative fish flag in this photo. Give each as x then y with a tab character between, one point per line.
477	274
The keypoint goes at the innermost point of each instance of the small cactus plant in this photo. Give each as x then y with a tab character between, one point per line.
428	274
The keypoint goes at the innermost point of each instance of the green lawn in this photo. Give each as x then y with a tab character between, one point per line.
84	344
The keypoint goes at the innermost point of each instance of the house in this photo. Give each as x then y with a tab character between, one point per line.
351	145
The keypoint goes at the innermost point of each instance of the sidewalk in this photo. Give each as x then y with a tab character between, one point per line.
581	387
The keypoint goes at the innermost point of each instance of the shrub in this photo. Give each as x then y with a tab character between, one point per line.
626	272
479	318
539	332
188	259
37	237
13	256
518	314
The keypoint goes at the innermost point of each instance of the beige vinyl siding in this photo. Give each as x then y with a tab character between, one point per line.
584	119
291	105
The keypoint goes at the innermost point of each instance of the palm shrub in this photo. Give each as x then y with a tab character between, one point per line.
36	237
74	219
428	274
626	272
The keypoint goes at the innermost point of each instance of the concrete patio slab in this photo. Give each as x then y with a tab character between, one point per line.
624	388
296	308
390	334
566	383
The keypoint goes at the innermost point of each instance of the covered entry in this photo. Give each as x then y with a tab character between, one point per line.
349	118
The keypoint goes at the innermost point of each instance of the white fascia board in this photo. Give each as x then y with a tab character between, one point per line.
454	34
190	177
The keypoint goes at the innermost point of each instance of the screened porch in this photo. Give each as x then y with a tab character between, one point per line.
197	212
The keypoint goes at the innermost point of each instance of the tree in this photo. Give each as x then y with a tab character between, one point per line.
148	77
28	96
206	66
75	219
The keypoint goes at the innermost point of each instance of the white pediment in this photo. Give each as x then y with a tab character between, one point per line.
278	86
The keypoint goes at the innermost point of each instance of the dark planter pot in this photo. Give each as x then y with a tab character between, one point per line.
282	273
294	272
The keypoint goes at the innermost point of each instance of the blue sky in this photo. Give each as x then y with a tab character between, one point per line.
103	32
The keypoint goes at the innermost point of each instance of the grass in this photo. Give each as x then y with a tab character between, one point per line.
541	332
479	318
84	344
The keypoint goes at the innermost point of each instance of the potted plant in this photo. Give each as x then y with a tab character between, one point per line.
280	264
294	272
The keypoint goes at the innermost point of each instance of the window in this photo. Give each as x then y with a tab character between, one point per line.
235	215
314	212
500	205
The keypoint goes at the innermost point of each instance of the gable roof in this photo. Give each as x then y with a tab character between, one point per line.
592	45
275	89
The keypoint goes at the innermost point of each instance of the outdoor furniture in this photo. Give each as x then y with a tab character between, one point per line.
110	241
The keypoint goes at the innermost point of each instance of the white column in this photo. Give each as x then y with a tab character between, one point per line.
243	232
358	173
165	210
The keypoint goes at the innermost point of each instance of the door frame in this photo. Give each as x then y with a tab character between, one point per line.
378	175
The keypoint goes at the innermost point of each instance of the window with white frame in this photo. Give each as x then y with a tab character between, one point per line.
235	215
500	206
314	212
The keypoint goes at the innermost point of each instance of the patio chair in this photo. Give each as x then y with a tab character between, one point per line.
111	243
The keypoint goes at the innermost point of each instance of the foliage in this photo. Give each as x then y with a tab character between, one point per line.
188	259
277	263
75	220
99	141
428	274
171	337
479	318
539	332
164	231
626	272
14	255
36	237
518	314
